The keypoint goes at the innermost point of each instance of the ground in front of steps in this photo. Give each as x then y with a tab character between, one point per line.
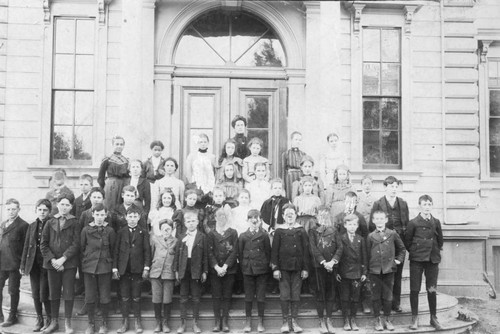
488	312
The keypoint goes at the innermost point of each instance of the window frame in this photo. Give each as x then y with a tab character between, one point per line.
372	16
75	90
380	97
487	174
85	9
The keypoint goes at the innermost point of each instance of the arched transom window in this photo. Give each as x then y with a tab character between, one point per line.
229	38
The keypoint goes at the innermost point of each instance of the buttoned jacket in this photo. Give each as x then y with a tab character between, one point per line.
199	256
223	249
353	263
97	249
57	242
382	249
30	246
424	239
325	245
163	254
12	243
136	250
290	249
254	252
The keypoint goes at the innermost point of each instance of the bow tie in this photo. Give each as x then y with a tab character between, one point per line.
295	149
191	234
132	229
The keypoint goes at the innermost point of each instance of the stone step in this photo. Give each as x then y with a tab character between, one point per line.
447	308
451	326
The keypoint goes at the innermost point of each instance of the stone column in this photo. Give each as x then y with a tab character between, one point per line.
136	79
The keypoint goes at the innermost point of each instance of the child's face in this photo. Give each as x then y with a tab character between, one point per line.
255	149
289	216
85	186
64	206
254	221
135	168
307	168
342	174
191	222
391	190
333	142
12	210
230	149
96	198
307	187
351	226
202	143
156	151
118	145
191	199
260	172
99	217
166	199
426	207
366	185
220	217
276	189
59	182
379	219
239	127
169	167
218	197
132	219
350	203
296	141
42	212
229	171
166	230
128	197
244	199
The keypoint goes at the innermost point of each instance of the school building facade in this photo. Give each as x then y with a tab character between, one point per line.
411	87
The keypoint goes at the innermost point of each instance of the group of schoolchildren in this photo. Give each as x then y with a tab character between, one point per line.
228	225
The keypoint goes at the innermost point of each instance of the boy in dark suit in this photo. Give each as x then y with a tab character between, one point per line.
289	262
154	167
424	239
254	257
60	246
32	264
191	268
97	242
96	196
12	235
352	271
82	202
119	214
351	201
131	264
397	213
326	250
385	251
272	209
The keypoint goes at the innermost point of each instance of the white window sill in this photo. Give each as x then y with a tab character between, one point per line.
43	173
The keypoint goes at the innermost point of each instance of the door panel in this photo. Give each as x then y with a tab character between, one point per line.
260	102
202	106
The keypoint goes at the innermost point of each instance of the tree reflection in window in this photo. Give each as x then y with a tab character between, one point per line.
230	38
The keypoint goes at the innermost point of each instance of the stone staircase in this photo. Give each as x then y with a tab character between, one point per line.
447	312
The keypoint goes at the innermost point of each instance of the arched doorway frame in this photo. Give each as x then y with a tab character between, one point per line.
263	10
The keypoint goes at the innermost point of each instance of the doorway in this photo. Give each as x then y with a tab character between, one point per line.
207	105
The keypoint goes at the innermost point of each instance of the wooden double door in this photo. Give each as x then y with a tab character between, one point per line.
207	105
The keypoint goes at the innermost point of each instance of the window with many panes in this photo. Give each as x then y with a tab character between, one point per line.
73	90
381	97
494	116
